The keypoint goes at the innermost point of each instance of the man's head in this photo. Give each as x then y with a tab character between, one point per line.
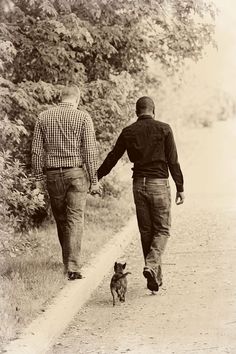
145	106
71	94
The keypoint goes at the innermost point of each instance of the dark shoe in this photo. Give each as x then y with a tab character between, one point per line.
74	275
151	279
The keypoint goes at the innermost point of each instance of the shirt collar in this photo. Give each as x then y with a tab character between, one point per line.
145	116
65	104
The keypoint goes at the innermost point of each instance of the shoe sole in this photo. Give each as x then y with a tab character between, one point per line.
151	282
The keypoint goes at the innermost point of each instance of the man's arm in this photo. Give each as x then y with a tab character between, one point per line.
89	149
174	166
37	153
112	158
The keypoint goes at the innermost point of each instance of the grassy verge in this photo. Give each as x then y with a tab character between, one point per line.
31	279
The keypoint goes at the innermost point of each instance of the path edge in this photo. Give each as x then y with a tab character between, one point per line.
42	332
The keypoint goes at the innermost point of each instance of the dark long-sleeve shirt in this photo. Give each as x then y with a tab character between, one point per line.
151	147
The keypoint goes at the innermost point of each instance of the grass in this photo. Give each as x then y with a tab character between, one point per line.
29	281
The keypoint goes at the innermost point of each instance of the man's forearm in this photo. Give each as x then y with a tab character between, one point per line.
92	171
112	158
106	166
172	160
177	176
37	166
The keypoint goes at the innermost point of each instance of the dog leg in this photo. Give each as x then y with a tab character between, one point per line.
113	293
119	293
123	297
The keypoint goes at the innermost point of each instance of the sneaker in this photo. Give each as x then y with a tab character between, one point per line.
74	275
151	279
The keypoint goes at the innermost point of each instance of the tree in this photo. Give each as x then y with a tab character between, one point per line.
101	45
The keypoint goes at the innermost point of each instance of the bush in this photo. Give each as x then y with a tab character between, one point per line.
21	205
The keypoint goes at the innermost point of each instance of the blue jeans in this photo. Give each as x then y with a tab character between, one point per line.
68	189
152	198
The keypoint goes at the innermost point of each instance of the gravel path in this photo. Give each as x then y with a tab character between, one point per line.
195	310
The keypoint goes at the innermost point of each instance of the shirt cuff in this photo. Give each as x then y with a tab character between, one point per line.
39	177
94	180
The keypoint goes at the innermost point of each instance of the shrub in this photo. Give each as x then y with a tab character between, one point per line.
21	205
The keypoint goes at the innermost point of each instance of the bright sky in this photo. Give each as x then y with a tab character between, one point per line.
226	32
219	67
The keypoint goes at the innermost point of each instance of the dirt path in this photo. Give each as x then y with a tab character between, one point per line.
195	310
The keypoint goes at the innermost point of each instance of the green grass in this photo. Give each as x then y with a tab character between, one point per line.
29	281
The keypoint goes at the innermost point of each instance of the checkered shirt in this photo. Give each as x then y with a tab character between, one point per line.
64	137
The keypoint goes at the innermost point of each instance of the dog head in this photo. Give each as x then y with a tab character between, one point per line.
119	267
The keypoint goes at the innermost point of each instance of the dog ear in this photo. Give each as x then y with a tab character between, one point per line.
115	265
124	265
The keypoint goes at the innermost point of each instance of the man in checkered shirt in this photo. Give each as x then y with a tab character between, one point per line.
64	144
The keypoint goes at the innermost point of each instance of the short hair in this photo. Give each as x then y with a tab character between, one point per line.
144	103
71	91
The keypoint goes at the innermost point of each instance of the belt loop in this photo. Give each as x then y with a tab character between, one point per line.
144	181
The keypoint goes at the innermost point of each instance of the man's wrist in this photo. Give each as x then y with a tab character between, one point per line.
39	179
38	176
180	188
94	181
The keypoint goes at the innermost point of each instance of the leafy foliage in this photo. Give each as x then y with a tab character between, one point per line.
100	45
18	198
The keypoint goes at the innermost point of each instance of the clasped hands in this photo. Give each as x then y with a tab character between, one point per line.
96	189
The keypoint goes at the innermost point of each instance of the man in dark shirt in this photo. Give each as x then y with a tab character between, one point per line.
151	147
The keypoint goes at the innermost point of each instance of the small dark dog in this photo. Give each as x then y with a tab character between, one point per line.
119	282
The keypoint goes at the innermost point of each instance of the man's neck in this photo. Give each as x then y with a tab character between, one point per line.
150	114
71	102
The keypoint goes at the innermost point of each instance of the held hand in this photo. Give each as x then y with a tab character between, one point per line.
179	198
96	189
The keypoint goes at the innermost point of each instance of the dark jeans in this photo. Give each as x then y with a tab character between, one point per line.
68	191
153	203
